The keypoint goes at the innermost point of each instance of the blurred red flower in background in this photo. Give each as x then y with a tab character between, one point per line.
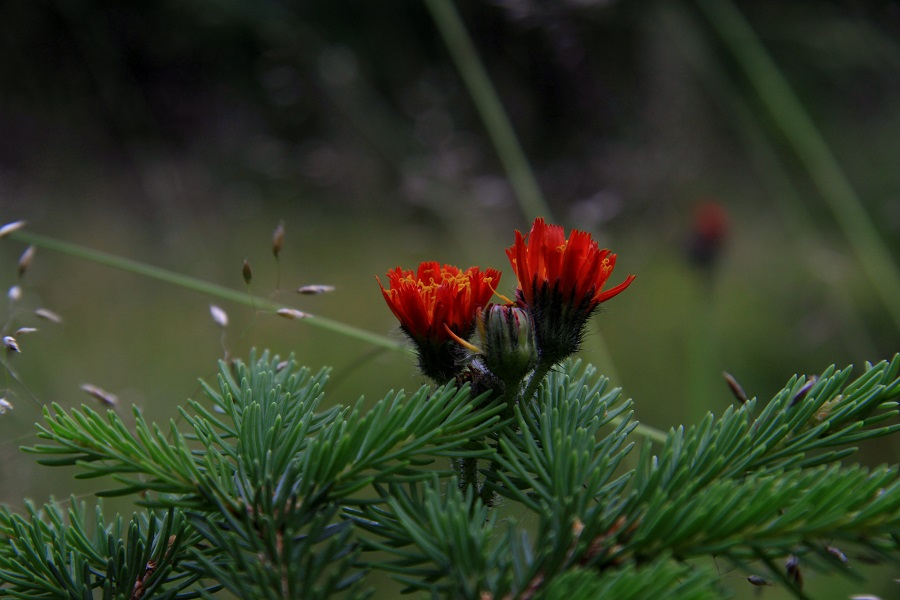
709	232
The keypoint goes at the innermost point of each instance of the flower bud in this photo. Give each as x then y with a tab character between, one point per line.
507	342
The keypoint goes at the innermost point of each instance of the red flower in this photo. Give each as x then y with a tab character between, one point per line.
709	232
434	299
561	283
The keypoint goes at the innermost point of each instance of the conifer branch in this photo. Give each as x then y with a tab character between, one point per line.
442	538
52	553
275	433
557	454
740	488
263	474
263	492
658	579
300	554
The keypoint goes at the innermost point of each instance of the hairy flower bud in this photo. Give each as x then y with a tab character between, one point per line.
507	342
562	282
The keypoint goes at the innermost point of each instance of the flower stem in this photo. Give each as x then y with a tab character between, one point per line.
540	372
198	285
511	398
488	497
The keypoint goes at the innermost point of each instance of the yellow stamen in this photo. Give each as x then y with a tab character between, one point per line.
489	281
463	342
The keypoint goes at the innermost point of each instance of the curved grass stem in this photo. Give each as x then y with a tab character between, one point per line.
199	285
487	102
810	147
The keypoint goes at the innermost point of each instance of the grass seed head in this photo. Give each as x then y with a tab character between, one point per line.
292	313
315	289
47	315
11	344
25	260
100	395
735	387
11	227
219	316
278	239
792	568
246	272
836	553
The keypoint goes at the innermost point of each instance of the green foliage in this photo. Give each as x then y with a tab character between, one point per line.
52	553
660	579
263	492
441	538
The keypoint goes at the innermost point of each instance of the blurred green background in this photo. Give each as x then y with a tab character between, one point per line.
180	133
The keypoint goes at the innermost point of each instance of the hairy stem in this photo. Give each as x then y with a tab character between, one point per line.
468	473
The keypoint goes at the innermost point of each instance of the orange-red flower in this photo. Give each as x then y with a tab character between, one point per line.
433	299
561	282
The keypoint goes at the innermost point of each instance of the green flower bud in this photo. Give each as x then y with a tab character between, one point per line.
507	342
